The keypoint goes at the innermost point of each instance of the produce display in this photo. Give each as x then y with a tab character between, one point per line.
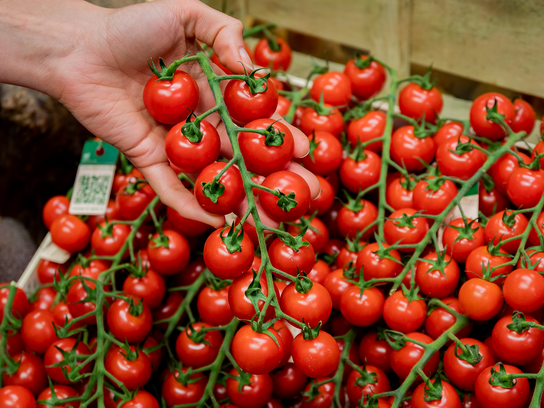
380	292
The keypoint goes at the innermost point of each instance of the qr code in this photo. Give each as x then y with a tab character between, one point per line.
92	189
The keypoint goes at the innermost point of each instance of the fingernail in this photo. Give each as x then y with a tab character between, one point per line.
246	60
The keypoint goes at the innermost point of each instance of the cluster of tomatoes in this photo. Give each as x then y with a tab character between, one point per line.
349	295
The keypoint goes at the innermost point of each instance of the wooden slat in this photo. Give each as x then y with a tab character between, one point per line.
492	41
381	27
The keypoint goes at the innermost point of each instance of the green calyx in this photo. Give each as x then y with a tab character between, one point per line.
106	229
135	307
395	339
160	241
405	221
534	164
488	182
272	40
509	218
358	153
412	294
383	252
354	204
425	81
433	390
213	190
70	360
233	239
361	62
197	336
501	378
466	231
255	84
313	392
493	113
295	242
462	147
286	201
438	264
185	378
366	377
166	73
470	353
349	270
313	145
191	129
254	292
355	244
519	323
129	354
434	184
302	283
408	183
308	333
134	186
273	136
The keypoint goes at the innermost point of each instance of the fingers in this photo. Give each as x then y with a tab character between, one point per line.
302	143
265	219
308	176
219	31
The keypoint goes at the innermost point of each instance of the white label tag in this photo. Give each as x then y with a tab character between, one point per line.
92	189
53	253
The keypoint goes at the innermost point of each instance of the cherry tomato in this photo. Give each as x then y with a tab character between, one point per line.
434	282
328	121
30	373
54	356
378	384
404	315
288	381
213	306
375	350
108	240
240	304
453	164
15	396
189	156
491	396
420	102
134	371
316	357
62	392
478	115
460	238
314	306
233	194
286	182
317	233
505	225
288	260
440	320
325	200
539	148
491	201
284	105
129	322
121	179
266	57
62	315
408	150
77	303
54	208
257	353
433	198
364	129
376	266
150	287
44	299
524	290
325	153
479	299
525	117
367	77
324	397
38	321
360	173
400	193
448	398
175	393
196	349
171	256
480	259
70	233
336	284
517	348
362	308
287	339
133	199
525	187
403	360
447	130
142	399
501	171
14	343
244	106
47	270
410	232
171	101
319	272
350	222
334	87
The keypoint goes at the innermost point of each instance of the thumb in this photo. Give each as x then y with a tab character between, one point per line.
219	31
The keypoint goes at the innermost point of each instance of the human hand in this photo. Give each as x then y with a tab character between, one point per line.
108	72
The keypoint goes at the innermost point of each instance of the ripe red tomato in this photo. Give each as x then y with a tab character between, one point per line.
539	148
221	261
130	205
171	101
370	126
213	306
61	314
266	57
254	395
503	169
491	396
316	357
317	233
121	179
400	193
284	105
366	79
447	130
140	400
362	308
75	299
325	200
70	233
351	222
360	173
480	258
175	393
478	112
167	309
288	381
403	315
333	122
286	259
286	182
47	270
54	356
14	343
525	187
198	353
240	304
188	156
534	236
432	201
38	321
407	149
325	396
325	153
15	396
313	306
440	320
479	299
375	266
375	350
462	166
378	384
334	87
133	373
336	284
234	189
449	397
525	117
265	155
62	392
244	106
44	299
129	325
517	348
403	360
108	240
419	102
150	288
30	373
257	353
92	270
170	258
54	208
319	272
497	229
407	232
524	290
489	202
433	282
459	243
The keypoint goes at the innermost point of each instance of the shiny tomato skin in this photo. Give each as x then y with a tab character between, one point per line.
142	399
175	393
70	233
244	106
240	304
288	381
534	236
133	374
490	202
407	235
525	117
490	396
440	320
433	202
365	82
191	157
325	200
449	398
15	396
447	130
523	290
171	101
221	262
261	158
30	373
319	272
127	327
286	337
150	288
350	222
480	258
517	348
268	58
403	360
362	174
167	309
213	306
317	234
171	259
287	182
433	282
334	87
418	103
336	284
106	244
47	270
38	321
375	267
402	315
316	357
501	171
313	121
539	148
284	105
461	373
525	187
462	166
480	300
497	230
54	356
55	207
487	128
325	397
370	126
196	355
398	195
254	395
407	149
234	189
288	260
326	156
362	308
257	353
460	249
131	206
356	392
121	179
45	297
314	306
375	350
62	392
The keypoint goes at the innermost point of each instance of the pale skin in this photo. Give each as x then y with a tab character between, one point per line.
94	61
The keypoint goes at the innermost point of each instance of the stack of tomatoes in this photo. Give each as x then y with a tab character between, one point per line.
328	268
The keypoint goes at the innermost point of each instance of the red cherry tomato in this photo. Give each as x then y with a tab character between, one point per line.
411	232
130	323
433	200
376	265
47	270
330	121
70	233
53	356
15	396
142	399
375	350
403	315
434	282
419	102
319	272
325	200
480	259
525	187
462	166
479	299
447	130
408	150
367	77
288	381
254	395
175	393
195	349
370	126
491	396
62	392
360	171
167	309
362	308
317	233
378	384
440	320
517	348
316	356
266	57
171	256
30	373
505	225
334	87
284	105
257	353
325	396
403	360
491	201
478	115
400	193
38	321
133	373
150	288
184	225
325	153
240	304
460	238
524	290
314	306
44	299
107	240
503	169
448	398
231	180
130	204
525	117
54	208
351	222
286	259
213	306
